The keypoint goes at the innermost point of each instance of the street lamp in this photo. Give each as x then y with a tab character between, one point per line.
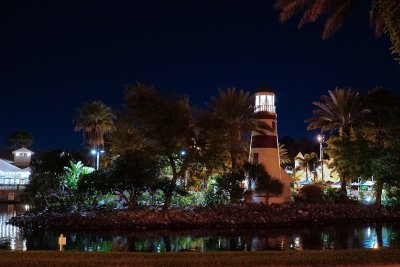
321	140
97	152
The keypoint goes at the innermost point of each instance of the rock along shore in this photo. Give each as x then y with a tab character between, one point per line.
221	217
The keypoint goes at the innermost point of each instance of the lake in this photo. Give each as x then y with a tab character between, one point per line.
371	236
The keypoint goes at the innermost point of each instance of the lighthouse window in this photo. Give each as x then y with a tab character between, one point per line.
270	100
262	100
255	158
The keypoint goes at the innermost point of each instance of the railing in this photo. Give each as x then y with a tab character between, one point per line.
260	108
12	187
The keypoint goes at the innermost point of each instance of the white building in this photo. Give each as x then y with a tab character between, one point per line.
16	172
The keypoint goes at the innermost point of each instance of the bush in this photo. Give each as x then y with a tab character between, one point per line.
331	194
311	193
214	197
191	199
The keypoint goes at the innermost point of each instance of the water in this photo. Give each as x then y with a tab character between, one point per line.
370	236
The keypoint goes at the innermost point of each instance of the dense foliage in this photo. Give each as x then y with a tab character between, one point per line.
164	152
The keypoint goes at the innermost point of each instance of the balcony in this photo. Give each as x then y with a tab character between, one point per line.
268	108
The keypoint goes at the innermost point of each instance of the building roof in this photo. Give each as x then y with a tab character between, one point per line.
7	167
299	156
22	150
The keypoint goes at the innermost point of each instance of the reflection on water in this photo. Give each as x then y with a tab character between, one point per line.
10	236
317	238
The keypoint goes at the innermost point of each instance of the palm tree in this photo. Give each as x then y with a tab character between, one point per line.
234	111
384	15
342	111
19	139
306	162
95	120
284	155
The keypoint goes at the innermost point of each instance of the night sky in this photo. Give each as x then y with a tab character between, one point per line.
56	55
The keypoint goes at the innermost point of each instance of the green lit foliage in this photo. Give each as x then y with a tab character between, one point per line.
214	196
189	199
132	174
74	173
48	185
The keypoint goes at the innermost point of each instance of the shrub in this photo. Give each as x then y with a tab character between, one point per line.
311	193
191	199
213	196
331	194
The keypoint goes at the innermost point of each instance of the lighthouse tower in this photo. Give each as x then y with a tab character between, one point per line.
264	147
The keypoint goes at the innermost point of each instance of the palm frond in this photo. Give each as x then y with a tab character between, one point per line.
340	12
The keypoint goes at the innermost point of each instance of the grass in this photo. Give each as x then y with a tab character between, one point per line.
220	259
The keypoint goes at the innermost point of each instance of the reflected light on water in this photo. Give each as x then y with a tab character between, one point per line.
10	236
297	238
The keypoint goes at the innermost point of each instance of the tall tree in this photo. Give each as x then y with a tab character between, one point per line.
126	138
96	120
168	128
383	139
19	139
340	112
234	114
384	15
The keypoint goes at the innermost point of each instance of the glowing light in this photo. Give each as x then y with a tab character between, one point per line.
93	151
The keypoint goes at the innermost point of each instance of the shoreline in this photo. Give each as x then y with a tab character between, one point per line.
357	258
221	217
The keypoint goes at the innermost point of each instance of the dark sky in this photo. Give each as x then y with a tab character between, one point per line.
56	55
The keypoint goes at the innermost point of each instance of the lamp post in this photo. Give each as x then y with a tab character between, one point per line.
97	151
321	139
